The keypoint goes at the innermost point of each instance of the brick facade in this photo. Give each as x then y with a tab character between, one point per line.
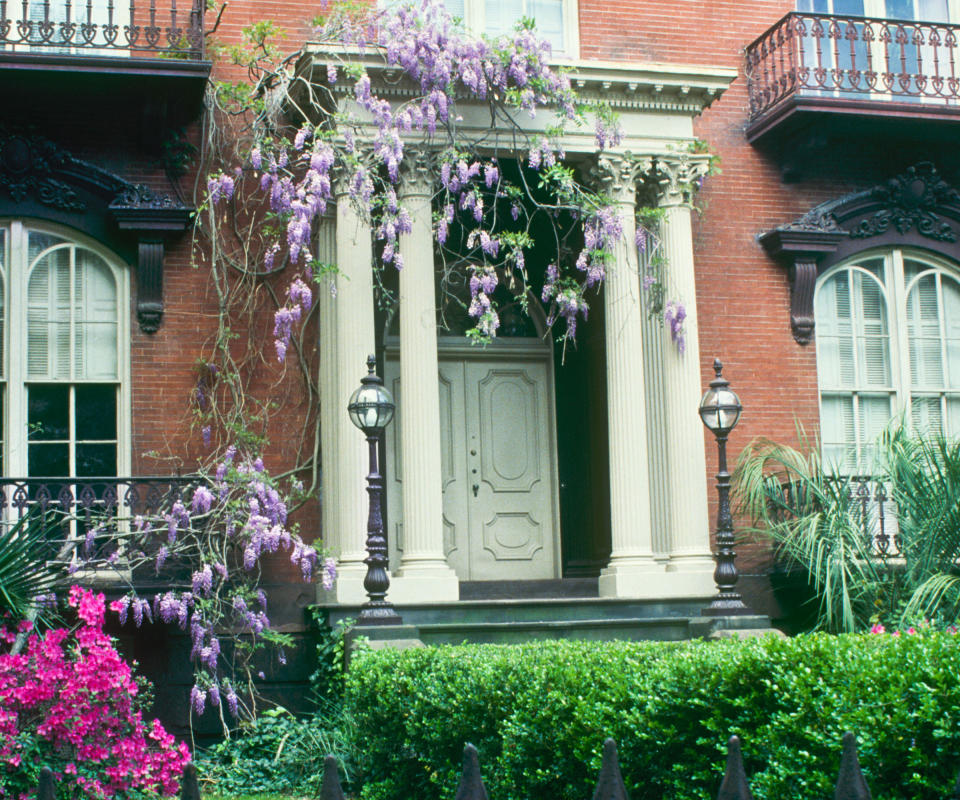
743	295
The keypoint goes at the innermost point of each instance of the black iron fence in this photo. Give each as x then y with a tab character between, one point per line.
853	58
851	784
103	27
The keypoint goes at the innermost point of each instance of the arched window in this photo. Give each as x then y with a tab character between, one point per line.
888	342
64	304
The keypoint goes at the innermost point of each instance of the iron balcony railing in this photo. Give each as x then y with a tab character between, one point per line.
870	507
141	28
89	516
853	59
90	500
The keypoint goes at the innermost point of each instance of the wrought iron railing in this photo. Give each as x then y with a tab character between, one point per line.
89	515
853	58
86	499
103	27
870	506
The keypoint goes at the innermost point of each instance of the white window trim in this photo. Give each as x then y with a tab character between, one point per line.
475	21
895	297
15	410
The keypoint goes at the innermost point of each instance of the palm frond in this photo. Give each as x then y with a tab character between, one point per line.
24	571
813	520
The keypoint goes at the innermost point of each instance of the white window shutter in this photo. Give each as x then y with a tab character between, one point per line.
95	347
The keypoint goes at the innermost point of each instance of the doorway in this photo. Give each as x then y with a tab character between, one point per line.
498	455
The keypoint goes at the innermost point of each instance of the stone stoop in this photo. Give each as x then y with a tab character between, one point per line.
516	620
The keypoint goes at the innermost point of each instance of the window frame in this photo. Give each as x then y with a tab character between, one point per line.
474	18
15	380
894	293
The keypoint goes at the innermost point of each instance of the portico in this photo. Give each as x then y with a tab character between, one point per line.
472	464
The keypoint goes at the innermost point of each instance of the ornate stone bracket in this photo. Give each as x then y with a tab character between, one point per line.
802	250
39	178
917	208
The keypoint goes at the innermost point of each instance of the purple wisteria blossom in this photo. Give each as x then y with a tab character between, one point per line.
674	313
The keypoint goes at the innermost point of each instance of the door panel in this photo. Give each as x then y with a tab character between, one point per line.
499	485
511	504
454	460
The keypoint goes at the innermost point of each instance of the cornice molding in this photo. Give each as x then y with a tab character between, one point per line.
626	86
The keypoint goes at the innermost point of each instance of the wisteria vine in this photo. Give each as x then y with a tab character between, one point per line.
512	76
208	546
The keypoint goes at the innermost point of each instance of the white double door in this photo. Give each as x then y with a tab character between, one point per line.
498	454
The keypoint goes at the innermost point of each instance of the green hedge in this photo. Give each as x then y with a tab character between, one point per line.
538	714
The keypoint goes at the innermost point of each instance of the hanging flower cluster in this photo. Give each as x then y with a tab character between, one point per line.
71	703
512	76
218	533
674	314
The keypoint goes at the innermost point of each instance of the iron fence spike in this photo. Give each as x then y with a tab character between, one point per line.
189	785
331	789
851	784
610	785
734	785
471	784
46	786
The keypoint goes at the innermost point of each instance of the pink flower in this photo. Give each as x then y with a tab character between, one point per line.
79	702
878	628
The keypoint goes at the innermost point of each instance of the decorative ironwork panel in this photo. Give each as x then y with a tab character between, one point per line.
853	58
103	27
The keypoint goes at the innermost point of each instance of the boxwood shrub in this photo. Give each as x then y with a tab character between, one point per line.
538	713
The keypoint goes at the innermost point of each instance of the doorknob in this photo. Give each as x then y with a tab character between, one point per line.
476	488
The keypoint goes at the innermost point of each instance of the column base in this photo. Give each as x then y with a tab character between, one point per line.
409	586
348	588
436	583
650	581
693	574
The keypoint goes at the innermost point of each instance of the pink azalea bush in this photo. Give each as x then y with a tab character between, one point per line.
70	702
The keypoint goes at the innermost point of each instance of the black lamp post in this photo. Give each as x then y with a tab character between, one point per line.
720	411
371	409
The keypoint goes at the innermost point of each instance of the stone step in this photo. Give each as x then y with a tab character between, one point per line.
539	589
658	628
534	610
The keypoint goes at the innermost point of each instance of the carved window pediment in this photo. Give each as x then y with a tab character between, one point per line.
40	179
917	207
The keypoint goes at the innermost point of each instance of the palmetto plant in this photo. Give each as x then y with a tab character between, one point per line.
817	520
25	572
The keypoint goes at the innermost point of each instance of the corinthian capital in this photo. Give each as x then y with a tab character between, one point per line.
617	174
417	172
680	175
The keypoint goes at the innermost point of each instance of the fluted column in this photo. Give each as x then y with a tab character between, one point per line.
424	574
327	386
632	564
690	556
355	340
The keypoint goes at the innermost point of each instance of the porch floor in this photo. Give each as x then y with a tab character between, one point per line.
559	609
